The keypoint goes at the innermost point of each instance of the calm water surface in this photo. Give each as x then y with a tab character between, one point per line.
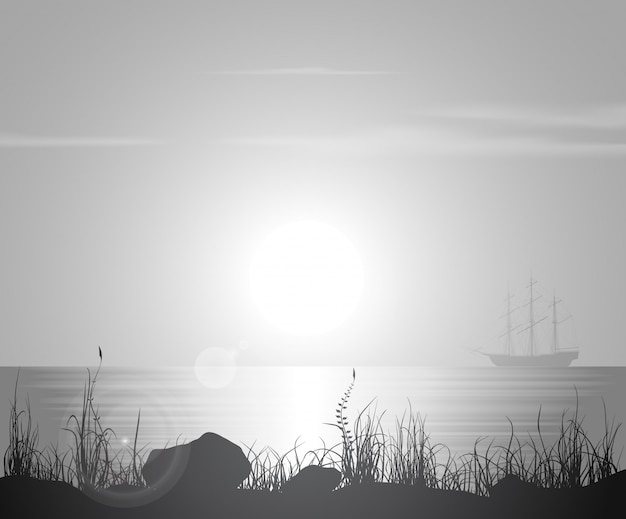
276	405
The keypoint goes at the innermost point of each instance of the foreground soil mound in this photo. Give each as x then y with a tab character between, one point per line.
25	497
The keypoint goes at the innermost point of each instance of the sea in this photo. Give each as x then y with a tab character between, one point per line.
282	407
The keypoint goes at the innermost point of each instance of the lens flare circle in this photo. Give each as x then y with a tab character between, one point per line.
216	368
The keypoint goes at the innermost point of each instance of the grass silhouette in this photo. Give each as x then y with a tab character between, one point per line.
90	463
23	457
365	453
93	462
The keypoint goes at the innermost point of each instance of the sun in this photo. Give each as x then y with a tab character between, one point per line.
306	278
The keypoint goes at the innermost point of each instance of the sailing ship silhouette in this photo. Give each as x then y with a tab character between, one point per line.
521	345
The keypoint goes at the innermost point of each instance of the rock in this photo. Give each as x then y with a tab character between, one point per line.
313	480
210	464
510	486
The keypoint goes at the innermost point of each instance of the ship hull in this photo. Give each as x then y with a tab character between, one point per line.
559	359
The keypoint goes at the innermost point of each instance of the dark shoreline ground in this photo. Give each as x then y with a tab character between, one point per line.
27	497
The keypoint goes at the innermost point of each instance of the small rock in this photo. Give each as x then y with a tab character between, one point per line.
512	485
313	480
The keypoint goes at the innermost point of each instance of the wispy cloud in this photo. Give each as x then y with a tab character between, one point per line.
12	140
601	116
599	130
300	71
414	140
596	128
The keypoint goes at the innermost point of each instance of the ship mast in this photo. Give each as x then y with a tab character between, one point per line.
531	320
508	344
555	323
508	321
531	317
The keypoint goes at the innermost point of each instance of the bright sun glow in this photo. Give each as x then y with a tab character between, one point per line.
306	278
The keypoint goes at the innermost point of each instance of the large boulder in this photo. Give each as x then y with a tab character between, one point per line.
210	464
313	480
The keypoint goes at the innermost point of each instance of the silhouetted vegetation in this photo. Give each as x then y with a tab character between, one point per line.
366	453
90	461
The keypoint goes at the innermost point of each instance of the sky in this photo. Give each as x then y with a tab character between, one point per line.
148	148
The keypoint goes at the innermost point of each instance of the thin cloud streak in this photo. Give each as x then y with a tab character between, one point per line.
424	140
601	116
30	141
599	129
301	71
